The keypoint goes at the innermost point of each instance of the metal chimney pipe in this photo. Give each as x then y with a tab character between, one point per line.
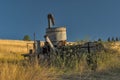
50	20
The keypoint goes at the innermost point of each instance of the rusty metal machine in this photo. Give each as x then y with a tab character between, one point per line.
55	42
55	37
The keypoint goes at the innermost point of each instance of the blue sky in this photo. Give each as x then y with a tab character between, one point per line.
84	19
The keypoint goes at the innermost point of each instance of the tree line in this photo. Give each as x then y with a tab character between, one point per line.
111	39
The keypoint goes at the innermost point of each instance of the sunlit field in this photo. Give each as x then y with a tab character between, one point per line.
14	67
15	46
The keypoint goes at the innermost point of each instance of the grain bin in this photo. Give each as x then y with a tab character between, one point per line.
56	34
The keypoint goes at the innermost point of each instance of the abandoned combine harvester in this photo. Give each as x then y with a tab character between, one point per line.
56	42
55	37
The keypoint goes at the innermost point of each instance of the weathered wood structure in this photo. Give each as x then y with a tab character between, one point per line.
56	42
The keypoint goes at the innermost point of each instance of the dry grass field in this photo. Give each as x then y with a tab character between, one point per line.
14	67
15	46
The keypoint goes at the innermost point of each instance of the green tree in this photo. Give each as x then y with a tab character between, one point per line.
99	39
117	39
113	39
26	38
108	39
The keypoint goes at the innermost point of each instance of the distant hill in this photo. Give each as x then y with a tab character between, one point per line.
15	46
20	46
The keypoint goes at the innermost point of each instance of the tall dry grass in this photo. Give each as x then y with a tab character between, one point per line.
14	71
14	67
15	46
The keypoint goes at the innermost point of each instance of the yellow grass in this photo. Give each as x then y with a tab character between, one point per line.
14	67
11	71
15	46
